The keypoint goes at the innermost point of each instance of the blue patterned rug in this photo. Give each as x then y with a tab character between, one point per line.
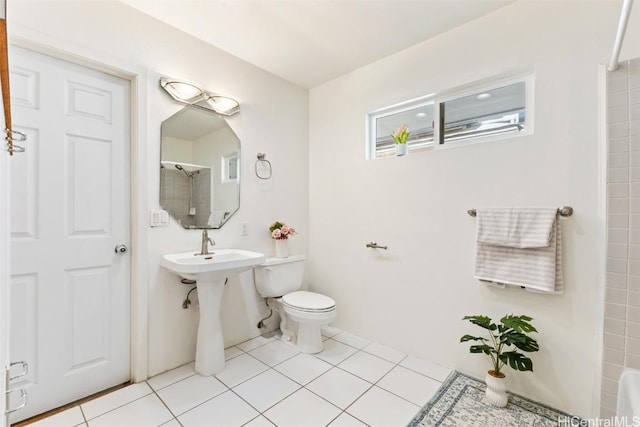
460	402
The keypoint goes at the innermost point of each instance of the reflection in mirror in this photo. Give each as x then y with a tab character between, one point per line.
199	168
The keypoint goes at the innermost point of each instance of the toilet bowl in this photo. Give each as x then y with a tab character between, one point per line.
302	313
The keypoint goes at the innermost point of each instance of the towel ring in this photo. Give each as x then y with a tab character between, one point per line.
266	164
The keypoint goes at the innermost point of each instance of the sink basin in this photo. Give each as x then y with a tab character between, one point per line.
210	273
223	262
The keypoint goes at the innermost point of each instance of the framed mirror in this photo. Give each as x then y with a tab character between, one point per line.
199	168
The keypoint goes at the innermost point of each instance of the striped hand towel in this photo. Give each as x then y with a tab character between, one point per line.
520	246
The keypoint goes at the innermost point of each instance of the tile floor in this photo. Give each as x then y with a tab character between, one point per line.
266	382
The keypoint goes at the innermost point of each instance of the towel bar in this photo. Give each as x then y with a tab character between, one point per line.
563	210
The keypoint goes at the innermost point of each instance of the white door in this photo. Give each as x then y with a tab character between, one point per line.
70	291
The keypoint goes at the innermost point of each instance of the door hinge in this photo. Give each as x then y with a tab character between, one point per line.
23	392
12	137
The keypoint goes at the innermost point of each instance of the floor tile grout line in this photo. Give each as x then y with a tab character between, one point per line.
170	370
279	401
389	391
334	418
250	339
86	421
175	417
173	383
269	419
192	408
261	361
424	375
364	379
247	379
251	420
323	398
117	407
383	358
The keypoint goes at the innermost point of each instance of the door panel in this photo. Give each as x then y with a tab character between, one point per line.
70	208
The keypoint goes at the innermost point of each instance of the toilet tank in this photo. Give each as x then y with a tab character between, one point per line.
279	276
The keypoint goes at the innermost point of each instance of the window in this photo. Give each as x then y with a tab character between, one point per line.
484	112
417	116
230	168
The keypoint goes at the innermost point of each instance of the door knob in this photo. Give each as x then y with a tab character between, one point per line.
121	249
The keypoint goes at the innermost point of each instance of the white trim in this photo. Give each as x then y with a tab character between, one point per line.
601	224
137	75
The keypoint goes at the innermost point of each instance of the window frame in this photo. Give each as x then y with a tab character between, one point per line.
402	107
528	78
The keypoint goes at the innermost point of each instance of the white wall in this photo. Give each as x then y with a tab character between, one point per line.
414	295
177	150
273	120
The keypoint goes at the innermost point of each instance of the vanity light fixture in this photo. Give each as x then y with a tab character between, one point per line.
190	93
223	104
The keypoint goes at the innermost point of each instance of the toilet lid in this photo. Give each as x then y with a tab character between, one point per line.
308	301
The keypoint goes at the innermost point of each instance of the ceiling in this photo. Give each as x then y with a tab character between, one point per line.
310	42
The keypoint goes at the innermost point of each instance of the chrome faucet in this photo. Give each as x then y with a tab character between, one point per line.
204	250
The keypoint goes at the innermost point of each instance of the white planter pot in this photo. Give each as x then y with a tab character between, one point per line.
496	390
282	248
401	149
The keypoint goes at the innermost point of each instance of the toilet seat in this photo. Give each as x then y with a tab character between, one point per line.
308	302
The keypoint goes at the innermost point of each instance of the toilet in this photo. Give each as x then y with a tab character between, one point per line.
302	313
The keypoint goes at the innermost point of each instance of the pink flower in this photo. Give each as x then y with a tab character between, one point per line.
401	134
279	230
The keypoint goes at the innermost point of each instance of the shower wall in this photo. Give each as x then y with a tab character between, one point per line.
179	193
622	301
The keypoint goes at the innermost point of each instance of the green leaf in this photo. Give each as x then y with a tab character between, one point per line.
486	349
470	338
519	340
516	361
518	323
482	321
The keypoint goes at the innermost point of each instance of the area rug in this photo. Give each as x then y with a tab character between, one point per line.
460	402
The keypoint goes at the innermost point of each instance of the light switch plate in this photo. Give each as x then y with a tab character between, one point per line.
158	218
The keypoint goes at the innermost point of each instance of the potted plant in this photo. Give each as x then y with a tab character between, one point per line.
505	339
400	136
281	232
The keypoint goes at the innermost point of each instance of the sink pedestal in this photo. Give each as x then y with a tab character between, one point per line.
210	271
210	345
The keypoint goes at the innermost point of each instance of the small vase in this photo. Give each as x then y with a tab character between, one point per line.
282	248
401	149
496	392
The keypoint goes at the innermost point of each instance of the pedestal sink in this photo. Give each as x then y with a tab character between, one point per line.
210	271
